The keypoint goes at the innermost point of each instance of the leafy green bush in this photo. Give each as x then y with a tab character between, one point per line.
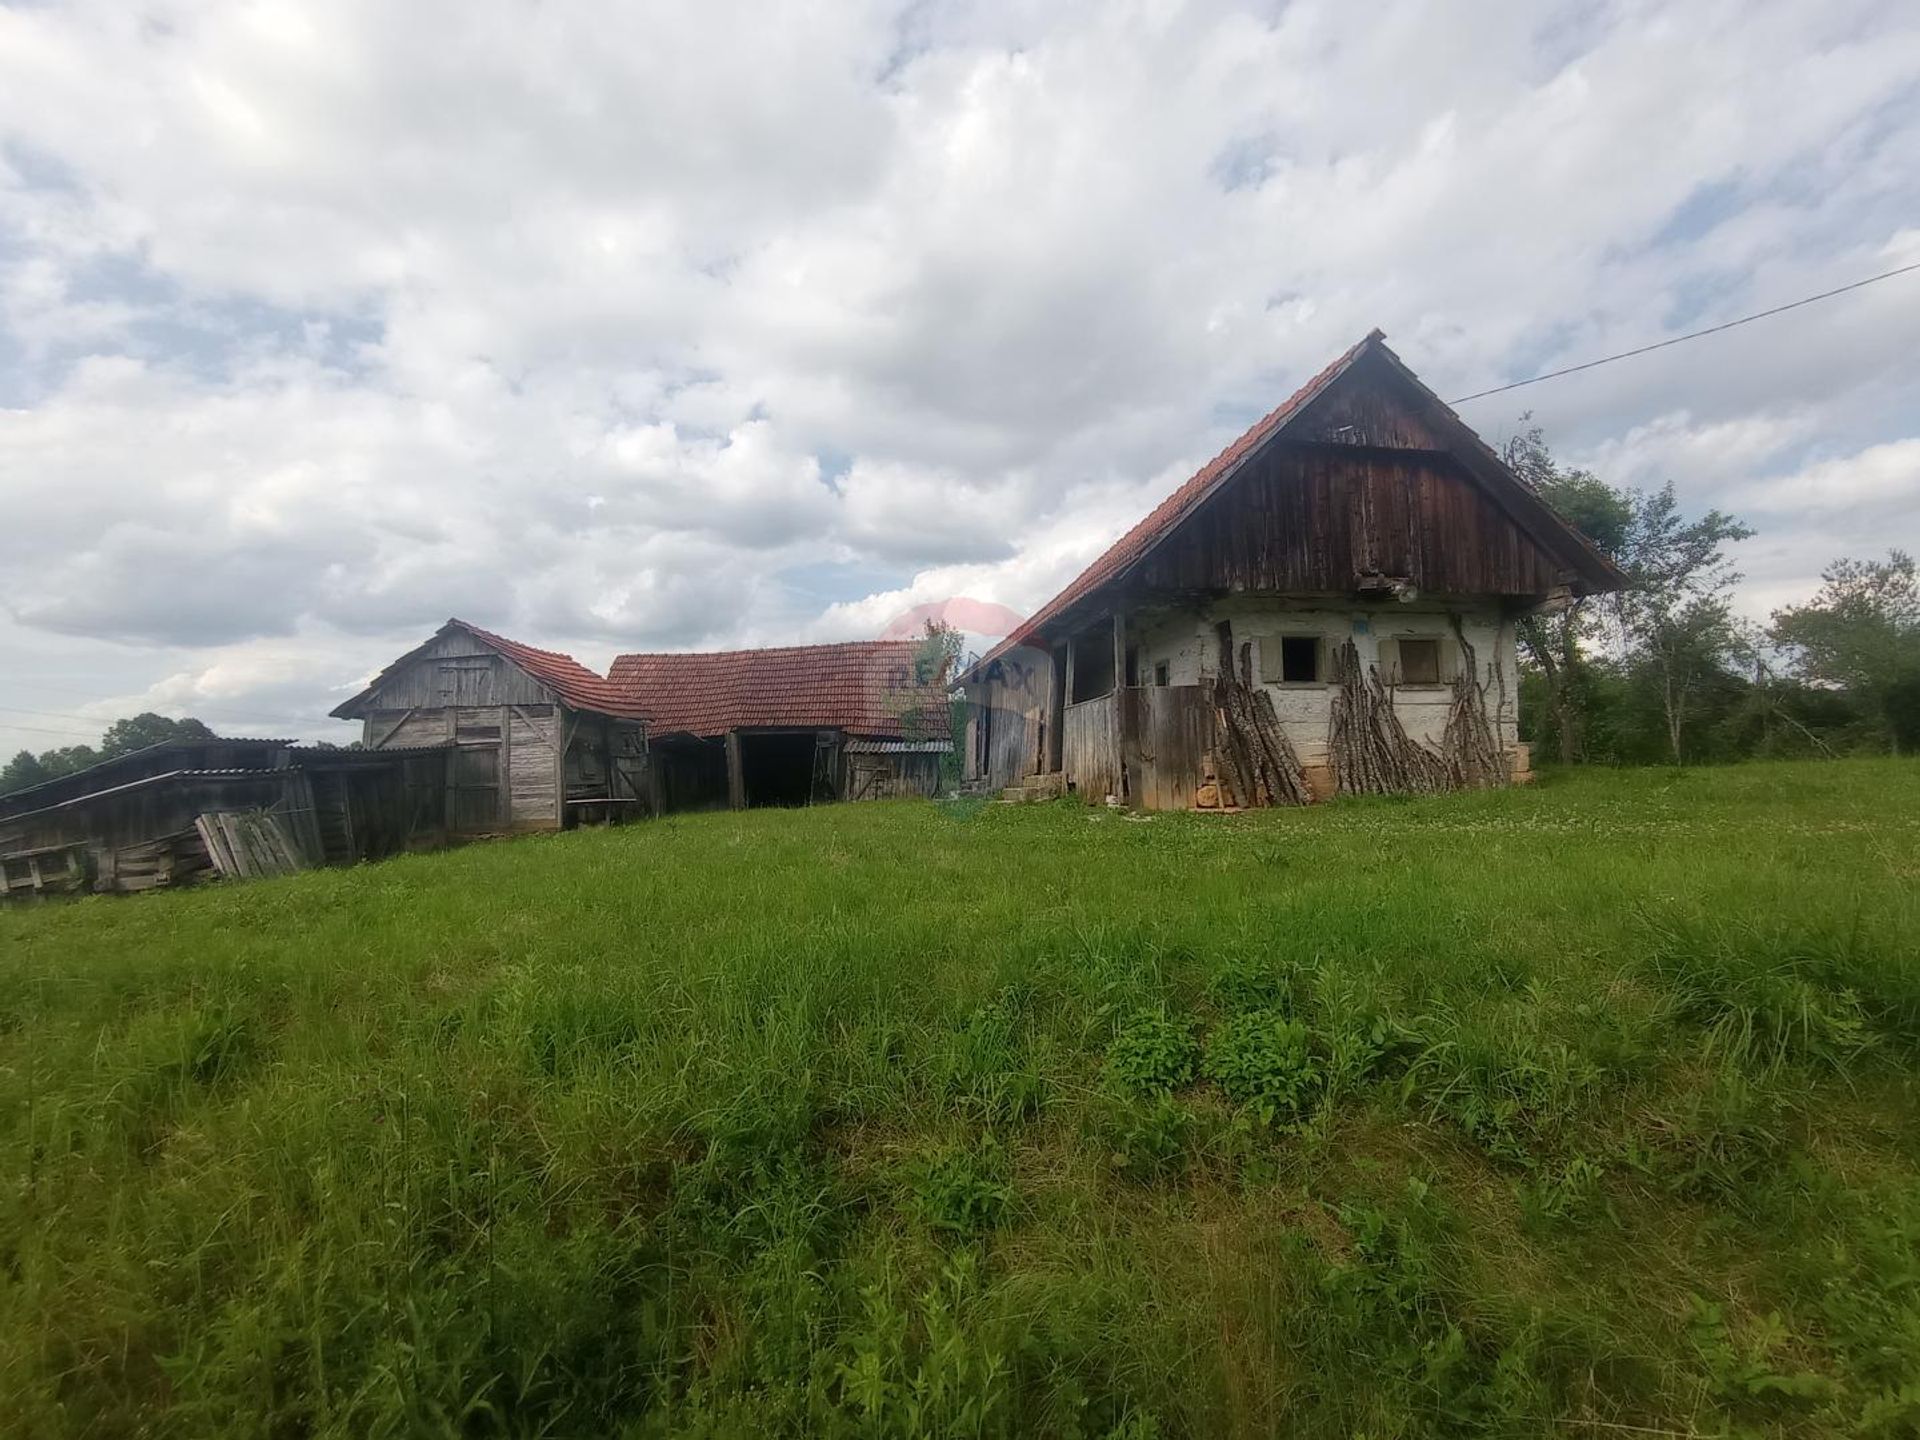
1151	1054
962	1192
1263	1060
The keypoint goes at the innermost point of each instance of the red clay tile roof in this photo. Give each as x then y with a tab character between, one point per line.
565	676
1176	507
865	687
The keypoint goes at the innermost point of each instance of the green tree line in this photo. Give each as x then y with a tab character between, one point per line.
1667	671
122	737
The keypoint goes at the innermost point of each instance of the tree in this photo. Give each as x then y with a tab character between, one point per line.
23	770
137	732
1553	637
1674	613
1861	634
122	737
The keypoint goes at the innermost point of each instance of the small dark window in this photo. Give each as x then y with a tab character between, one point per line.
1299	659
1419	662
1160	673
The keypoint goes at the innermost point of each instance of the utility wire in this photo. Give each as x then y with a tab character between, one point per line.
1694	335
43	730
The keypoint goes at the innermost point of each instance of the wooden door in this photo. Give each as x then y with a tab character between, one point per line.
476	788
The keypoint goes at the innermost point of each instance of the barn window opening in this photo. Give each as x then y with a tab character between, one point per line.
1419	662
1162	675
1292	660
1133	665
1092	664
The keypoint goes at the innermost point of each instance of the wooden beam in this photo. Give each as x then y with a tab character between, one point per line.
736	773
1122	714
566	728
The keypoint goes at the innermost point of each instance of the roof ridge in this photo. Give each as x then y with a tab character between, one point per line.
764	649
1183	497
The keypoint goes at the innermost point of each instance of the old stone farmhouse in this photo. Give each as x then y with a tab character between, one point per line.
1328	606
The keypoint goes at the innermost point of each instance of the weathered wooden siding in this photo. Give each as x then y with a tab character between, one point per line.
455	669
400	729
890	777
1169	730
473	795
508	756
1090	752
140	813
1317	519
690	774
1017	689
533	764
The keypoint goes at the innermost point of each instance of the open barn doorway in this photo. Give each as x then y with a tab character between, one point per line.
786	767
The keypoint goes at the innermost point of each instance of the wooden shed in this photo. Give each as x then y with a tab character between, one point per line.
160	816
791	725
538	740
1327	606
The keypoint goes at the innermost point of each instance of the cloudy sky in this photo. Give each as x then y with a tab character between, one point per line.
663	326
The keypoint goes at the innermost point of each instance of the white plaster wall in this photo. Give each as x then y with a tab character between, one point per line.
1187	642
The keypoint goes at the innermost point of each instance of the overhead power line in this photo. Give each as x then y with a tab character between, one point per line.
44	730
1694	335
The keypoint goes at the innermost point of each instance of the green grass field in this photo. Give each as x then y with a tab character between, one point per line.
1589	1109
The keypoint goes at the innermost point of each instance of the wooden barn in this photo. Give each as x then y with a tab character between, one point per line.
1327	607
539	742
183	808
796	725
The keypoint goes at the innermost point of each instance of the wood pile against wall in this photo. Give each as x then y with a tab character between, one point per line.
1371	751
1255	760
1468	745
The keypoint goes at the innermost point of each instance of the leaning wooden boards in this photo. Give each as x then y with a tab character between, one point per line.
248	844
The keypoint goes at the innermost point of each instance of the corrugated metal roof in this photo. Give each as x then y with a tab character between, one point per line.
132	759
149	780
865	687
898	747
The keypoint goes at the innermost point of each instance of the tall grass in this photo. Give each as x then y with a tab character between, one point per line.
1555	1111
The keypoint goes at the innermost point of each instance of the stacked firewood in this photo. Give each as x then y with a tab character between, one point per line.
1468	745
1255	760
1371	750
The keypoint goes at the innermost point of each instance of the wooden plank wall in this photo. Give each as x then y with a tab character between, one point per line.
1089	751
1169	729
457	670
891	777
690	775
533	768
1312	520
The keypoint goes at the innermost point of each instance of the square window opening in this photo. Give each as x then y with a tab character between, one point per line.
1419	662
1299	659
1161	673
